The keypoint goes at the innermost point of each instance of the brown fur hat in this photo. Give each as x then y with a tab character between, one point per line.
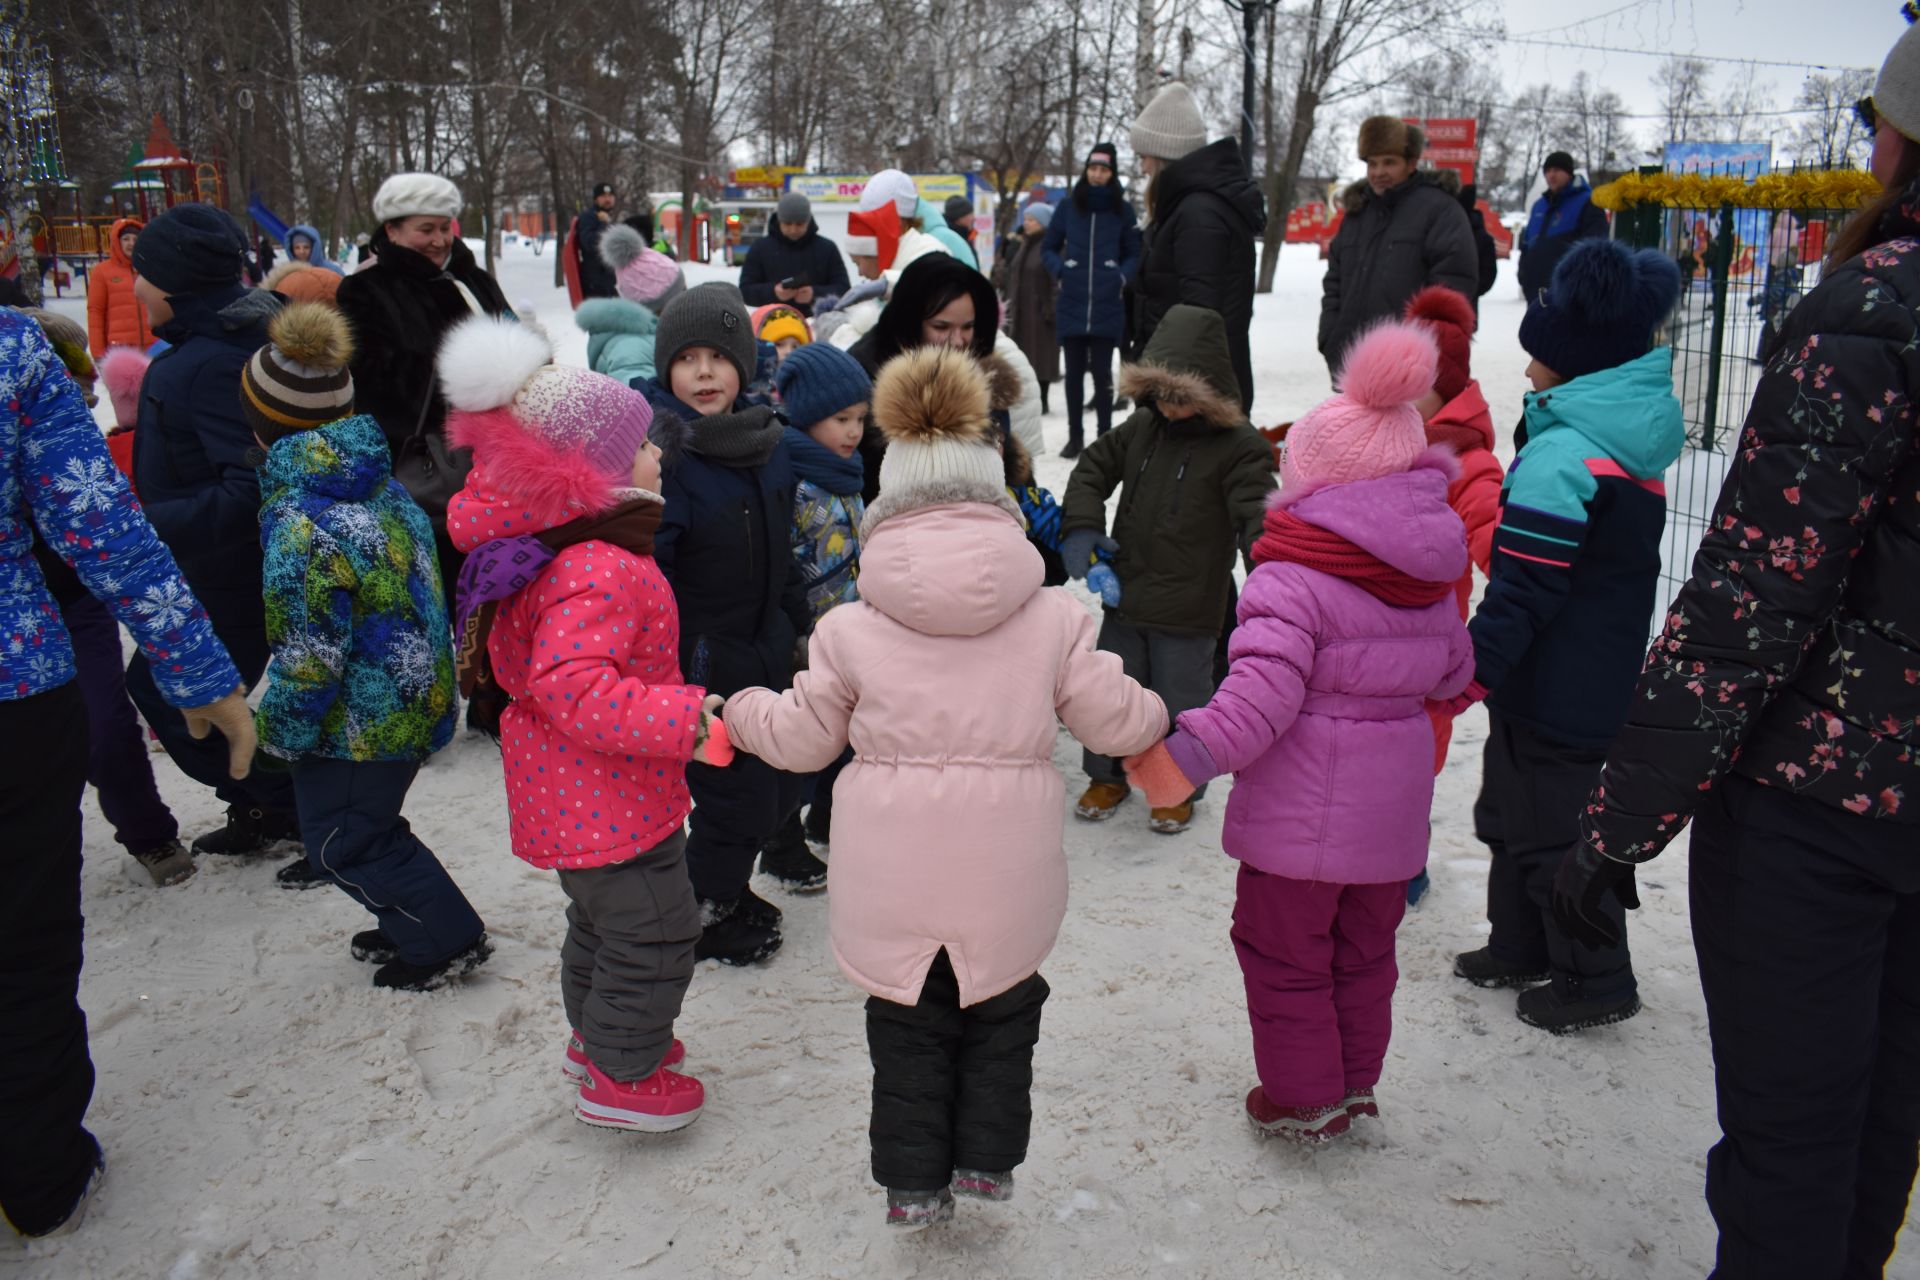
1391	136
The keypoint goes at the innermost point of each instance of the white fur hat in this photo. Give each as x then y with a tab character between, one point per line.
407	195
890	186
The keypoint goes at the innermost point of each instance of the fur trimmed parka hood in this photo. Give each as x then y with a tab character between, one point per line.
1188	364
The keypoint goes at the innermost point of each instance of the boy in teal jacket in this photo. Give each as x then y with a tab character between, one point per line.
1562	630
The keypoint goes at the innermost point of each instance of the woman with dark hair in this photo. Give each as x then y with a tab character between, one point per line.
1781	711
1092	248
938	302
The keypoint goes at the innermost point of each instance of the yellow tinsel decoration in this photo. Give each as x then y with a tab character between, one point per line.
1807	189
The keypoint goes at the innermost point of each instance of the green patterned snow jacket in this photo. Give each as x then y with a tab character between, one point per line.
362	659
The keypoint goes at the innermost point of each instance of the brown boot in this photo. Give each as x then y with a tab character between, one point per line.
1099	801
1171	821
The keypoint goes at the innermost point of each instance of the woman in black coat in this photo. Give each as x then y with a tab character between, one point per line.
1780	710
1204	214
424	280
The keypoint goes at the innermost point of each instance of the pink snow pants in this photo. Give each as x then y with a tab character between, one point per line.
1318	962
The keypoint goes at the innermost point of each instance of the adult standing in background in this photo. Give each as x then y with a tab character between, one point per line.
49	1163
793	249
423	281
1400	233
1031	294
193	464
1093	249
1780	710
596	278
1203	215
1563	215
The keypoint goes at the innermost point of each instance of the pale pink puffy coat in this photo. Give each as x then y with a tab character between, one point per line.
947	676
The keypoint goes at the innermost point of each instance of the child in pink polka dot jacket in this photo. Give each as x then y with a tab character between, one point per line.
562	611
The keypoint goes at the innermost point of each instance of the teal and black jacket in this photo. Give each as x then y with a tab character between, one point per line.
1561	633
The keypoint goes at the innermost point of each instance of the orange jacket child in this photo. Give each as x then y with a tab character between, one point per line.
115	317
1463	423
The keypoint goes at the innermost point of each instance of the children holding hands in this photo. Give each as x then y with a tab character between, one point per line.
1347	626
563	606
948	880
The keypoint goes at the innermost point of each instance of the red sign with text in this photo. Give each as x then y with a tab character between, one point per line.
1452	144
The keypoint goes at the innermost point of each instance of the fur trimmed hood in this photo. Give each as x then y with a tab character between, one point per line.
1003	383
1151	383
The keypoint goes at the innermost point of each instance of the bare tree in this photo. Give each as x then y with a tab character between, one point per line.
1830	135
1743	109
1685	94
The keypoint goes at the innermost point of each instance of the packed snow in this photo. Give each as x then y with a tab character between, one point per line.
266	1112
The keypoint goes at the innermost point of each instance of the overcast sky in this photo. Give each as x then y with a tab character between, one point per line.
1853	33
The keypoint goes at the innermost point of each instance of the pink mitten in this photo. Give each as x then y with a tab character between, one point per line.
718	747
1155	773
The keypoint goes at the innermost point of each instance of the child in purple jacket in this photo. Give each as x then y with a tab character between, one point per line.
1347	626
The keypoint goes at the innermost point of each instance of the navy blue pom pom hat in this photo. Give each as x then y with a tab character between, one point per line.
1603	308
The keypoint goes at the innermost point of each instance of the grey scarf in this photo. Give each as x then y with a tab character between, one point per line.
744	438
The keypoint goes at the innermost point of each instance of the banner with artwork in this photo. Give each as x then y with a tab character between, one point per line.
1698	229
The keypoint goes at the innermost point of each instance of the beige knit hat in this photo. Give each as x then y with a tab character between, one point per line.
1896	94
1170	126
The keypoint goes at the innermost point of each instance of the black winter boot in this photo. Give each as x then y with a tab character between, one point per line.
1072	449
756	910
1561	1007
790	862
399	975
1485	969
302	874
819	826
370	946
727	935
250	832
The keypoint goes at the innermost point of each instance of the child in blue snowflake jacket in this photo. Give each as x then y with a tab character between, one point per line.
825	393
362	686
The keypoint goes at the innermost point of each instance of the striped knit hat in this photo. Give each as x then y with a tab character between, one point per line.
300	378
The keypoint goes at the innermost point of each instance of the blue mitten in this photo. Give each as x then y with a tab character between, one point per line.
1106	583
1077	548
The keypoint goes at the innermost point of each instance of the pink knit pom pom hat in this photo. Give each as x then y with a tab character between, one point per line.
1371	427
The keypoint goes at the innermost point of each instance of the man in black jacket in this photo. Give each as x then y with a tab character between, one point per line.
1401	232
793	249
1563	215
596	277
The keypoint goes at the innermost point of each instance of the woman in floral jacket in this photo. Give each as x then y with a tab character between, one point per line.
1781	709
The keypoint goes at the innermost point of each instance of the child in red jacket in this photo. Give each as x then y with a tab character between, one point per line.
1456	415
563	608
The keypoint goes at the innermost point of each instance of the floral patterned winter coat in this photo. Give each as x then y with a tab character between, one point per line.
1792	656
362	659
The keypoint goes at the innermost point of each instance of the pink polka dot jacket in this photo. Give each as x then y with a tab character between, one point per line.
596	741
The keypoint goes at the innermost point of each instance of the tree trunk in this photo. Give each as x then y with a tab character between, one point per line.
1280	187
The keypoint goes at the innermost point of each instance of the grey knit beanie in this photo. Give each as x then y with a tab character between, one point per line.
793	207
1170	126
709	315
1896	94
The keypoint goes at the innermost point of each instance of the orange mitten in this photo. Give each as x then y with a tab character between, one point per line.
1155	773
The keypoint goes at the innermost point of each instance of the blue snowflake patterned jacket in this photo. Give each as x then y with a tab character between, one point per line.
59	477
362	658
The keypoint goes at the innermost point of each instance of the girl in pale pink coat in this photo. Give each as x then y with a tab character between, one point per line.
1347	627
948	881
568	636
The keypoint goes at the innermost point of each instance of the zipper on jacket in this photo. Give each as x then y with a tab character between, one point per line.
1134	495
746	523
1178	476
1093	245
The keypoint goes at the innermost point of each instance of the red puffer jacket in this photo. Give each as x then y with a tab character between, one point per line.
1475	498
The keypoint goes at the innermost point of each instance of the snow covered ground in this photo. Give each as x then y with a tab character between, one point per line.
267	1113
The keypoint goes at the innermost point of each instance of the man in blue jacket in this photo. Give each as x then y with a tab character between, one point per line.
1563	215
193	465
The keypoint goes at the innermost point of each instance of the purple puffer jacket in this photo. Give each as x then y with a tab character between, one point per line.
1322	719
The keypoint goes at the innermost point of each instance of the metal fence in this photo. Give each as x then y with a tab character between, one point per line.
1743	270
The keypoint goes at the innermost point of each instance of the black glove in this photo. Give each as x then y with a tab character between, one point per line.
1077	547
1580	885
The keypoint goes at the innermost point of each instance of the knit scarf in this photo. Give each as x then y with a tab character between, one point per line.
746	437
817	464
1290	539
495	571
